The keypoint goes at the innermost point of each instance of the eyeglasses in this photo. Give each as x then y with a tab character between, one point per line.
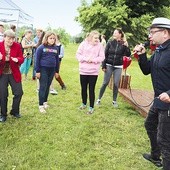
153	32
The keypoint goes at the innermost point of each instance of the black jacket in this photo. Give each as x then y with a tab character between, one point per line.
159	68
114	53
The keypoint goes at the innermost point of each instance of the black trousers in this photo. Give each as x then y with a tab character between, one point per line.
85	81
151	126
164	137
5	80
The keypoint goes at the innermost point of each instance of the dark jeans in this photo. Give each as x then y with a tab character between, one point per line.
151	126
164	137
86	80
46	77
34	65
5	80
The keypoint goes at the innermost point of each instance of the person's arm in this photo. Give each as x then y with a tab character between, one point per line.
16	54
61	55
100	56
38	58
81	53
106	55
144	63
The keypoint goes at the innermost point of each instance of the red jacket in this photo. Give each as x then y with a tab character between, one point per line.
14	52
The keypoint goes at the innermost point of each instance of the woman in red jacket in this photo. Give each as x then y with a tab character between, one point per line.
11	58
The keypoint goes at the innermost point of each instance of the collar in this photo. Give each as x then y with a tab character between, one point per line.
163	46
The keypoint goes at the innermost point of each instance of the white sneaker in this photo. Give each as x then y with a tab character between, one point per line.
53	92
98	102
45	105
41	109
115	104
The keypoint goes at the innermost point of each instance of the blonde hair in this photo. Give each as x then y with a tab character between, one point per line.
45	38
28	31
92	33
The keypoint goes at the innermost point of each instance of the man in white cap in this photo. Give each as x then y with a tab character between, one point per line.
157	123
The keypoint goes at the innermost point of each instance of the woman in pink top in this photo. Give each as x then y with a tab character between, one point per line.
90	54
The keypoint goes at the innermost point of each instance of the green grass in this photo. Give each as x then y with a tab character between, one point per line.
66	138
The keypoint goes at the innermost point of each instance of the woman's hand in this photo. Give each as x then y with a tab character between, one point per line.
38	75
0	56
14	59
56	75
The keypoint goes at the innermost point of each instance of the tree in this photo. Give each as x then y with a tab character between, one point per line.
134	17
64	36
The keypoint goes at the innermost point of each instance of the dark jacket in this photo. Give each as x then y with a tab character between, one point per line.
114	53
47	56
159	68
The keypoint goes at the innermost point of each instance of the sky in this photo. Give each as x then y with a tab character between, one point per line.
53	13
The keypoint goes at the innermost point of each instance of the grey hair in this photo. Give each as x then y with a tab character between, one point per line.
9	33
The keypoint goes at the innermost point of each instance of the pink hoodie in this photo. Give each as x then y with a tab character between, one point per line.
94	53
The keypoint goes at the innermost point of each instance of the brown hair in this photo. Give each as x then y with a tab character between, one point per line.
45	38
120	32
13	27
58	37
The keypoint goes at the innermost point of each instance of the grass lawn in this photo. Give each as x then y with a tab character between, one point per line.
66	138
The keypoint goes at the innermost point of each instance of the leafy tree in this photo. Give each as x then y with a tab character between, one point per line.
134	17
64	36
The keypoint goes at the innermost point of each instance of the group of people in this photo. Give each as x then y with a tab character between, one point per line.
15	60
92	54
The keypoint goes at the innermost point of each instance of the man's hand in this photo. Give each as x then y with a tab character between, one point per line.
139	49
164	97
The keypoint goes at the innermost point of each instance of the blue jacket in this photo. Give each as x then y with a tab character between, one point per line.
47	56
159	68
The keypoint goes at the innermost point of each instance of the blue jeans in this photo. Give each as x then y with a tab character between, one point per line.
46	77
34	67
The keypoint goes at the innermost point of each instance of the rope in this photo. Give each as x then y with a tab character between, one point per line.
137	104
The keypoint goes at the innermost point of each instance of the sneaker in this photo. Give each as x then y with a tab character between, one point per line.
45	104
53	92
83	106
16	115
41	109
157	162
90	111
63	87
2	119
115	104
98	102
